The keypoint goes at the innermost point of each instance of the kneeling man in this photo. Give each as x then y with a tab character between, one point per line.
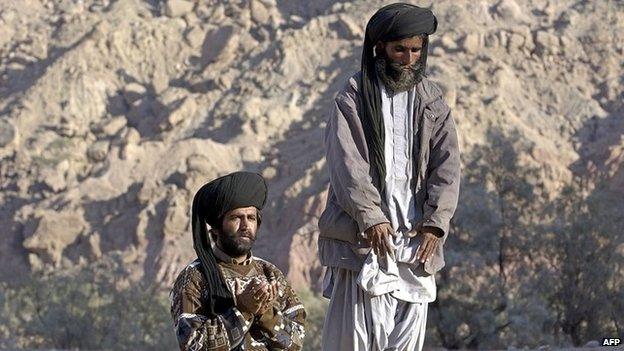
228	299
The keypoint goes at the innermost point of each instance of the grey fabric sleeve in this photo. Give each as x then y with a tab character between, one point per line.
444	172
348	169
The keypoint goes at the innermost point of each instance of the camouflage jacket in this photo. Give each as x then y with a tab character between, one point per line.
280	328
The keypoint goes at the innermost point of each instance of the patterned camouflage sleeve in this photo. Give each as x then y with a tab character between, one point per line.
194	330
281	327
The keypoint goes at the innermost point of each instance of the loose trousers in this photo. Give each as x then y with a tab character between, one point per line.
359	321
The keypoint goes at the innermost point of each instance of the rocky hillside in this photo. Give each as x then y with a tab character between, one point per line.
113	113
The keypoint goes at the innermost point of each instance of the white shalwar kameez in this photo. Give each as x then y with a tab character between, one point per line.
384	305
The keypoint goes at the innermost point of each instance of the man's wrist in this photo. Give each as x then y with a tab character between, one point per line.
433	230
247	316
365	236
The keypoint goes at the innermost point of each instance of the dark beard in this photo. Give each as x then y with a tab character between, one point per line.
233	246
394	77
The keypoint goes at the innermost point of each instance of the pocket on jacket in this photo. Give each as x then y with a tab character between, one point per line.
335	223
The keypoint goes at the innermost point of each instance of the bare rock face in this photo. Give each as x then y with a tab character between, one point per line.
7	133
220	44
53	233
124	110
176	218
546	43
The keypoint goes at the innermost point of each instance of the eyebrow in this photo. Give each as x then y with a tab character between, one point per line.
233	215
402	47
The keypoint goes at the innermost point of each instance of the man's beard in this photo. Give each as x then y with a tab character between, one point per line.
234	245
395	77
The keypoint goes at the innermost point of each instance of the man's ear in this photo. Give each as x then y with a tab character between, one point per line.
379	47
258	217
214	234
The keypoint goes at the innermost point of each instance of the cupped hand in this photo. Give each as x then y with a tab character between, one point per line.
253	296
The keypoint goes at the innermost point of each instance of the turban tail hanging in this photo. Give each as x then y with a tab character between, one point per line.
211	202
390	23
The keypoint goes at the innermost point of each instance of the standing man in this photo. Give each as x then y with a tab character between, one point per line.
394	170
228	299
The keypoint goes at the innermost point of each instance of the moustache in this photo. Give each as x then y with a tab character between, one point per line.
399	68
246	234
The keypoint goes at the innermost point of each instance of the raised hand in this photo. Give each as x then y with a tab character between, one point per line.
272	289
253	297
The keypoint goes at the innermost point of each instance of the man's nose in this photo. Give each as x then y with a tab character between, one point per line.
406	59
244	223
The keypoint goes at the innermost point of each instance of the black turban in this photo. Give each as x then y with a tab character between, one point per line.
390	23
211	202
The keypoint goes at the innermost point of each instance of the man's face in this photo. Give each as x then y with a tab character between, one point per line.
238	231
398	63
405	52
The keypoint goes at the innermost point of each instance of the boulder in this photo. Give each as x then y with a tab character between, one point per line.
546	43
53	233
199	163
129	151
176	217
471	43
508	10
94	245
195	37
448	42
183	110
160	82
178	8
219	43
515	42
132	136
133	92
259	13
54	177
269	173
114	125
98	151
